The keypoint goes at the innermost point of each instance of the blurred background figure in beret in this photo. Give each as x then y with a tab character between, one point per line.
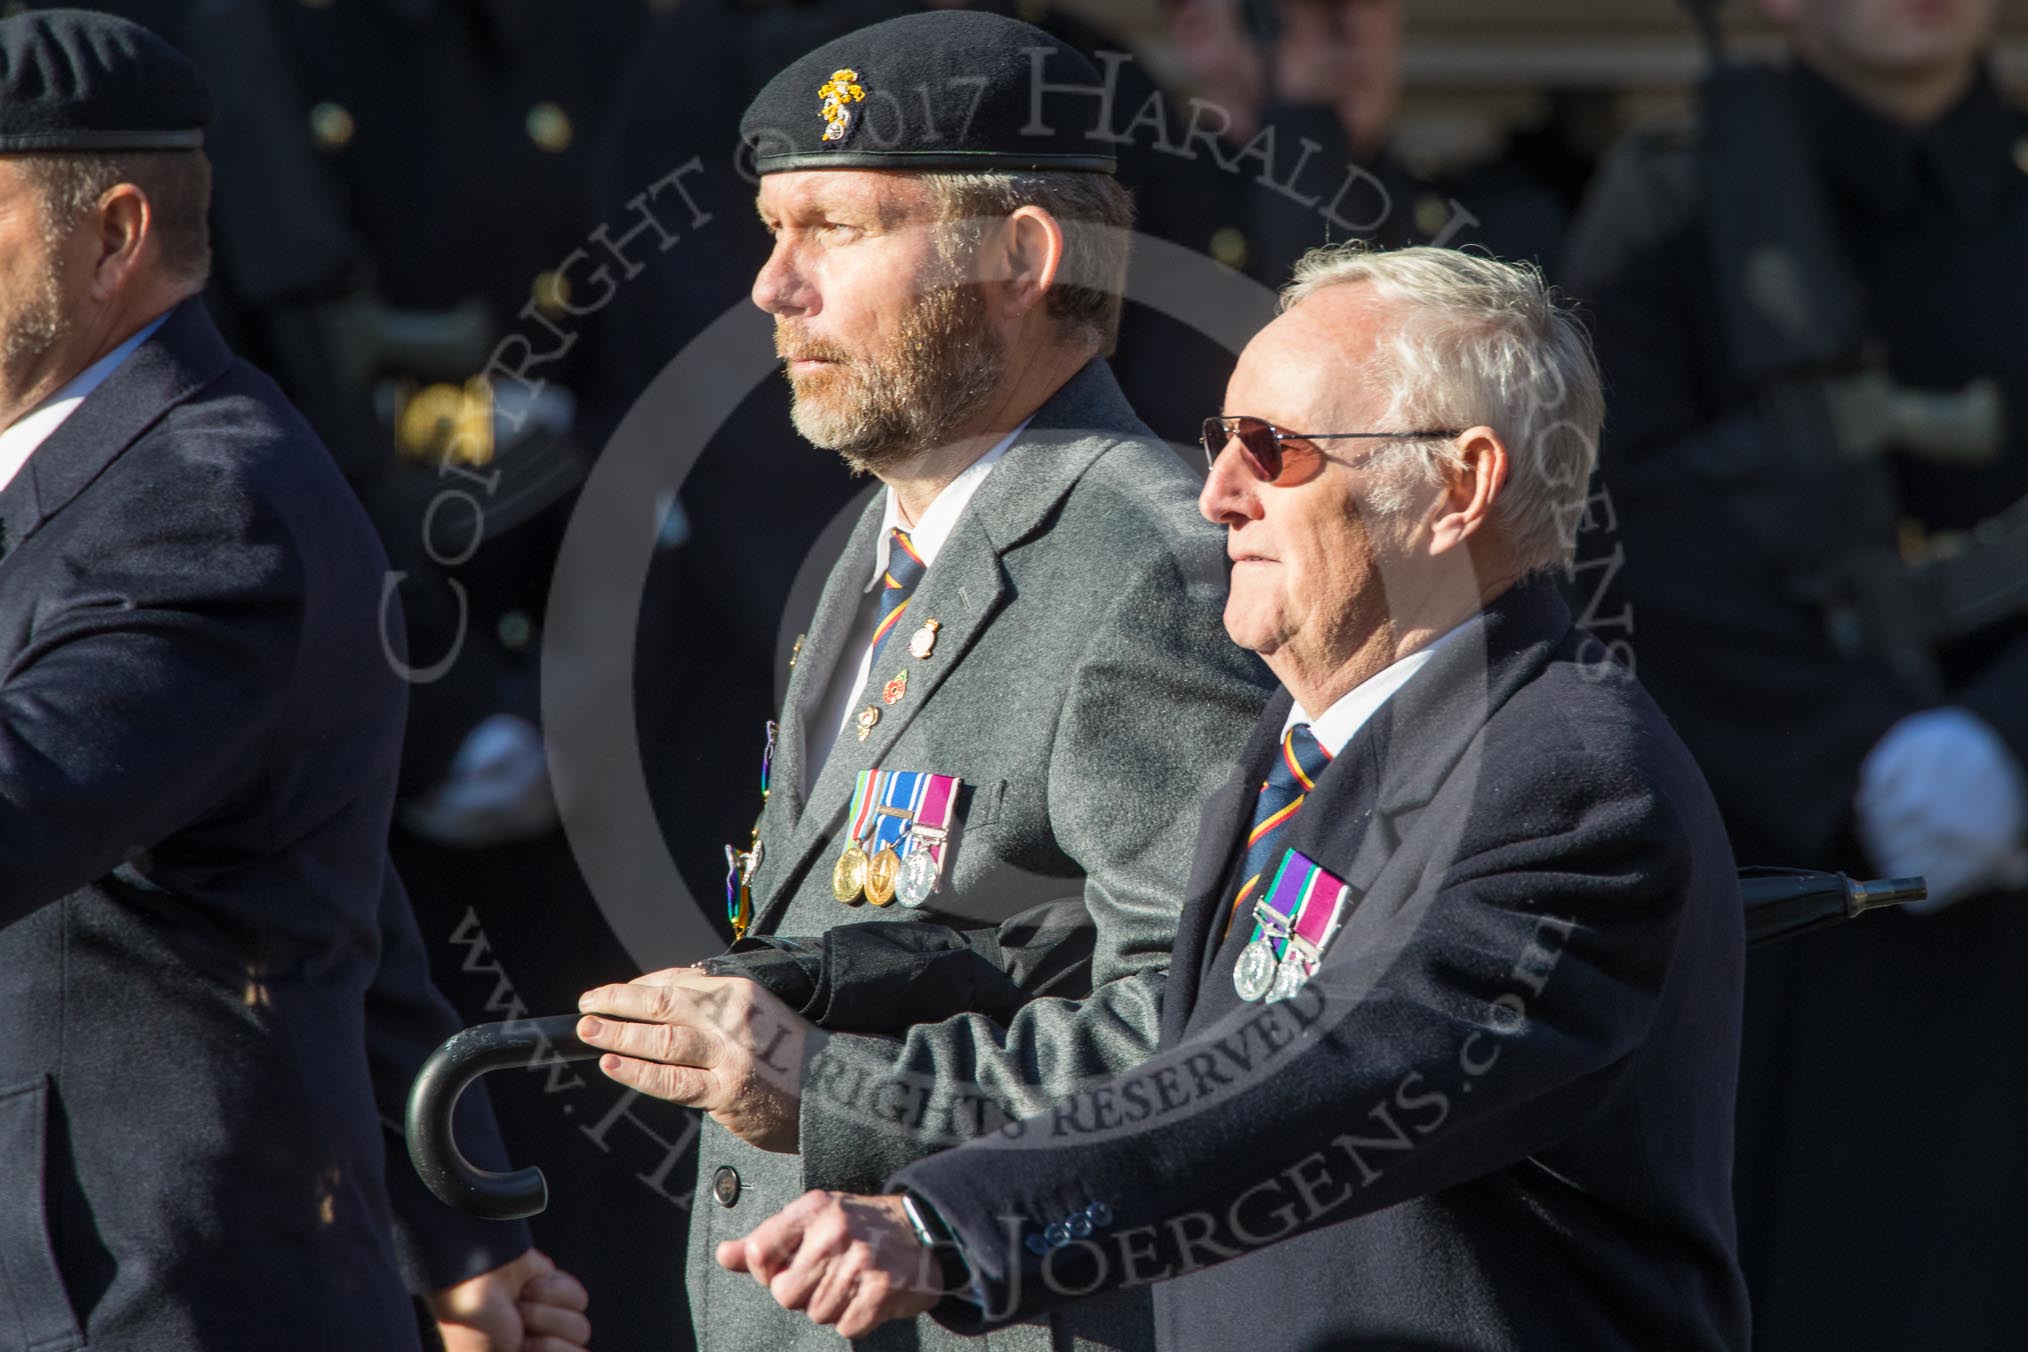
199	731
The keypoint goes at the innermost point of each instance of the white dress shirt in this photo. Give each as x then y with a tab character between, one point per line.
31	429
1349	713
939	519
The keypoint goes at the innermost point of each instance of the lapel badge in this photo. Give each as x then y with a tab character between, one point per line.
867	718
841	89
892	692
924	641
796	652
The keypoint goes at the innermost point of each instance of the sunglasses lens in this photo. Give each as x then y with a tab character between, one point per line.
1263	449
1258	446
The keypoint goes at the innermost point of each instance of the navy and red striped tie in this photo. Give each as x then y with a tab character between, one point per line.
905	569
1290	779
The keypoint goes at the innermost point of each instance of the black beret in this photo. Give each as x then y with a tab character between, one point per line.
73	80
944	90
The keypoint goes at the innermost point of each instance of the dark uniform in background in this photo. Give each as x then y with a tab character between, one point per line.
397	180
1257	203
1883	1192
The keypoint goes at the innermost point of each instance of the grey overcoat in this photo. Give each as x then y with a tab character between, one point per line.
1084	689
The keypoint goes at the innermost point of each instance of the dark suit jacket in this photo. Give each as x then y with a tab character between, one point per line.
212	994
1499	1116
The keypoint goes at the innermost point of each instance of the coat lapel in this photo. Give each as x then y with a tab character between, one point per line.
182	357
964	590
1228	815
824	644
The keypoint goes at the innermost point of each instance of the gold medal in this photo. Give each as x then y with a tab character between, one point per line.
867	718
848	875
880	872
924	641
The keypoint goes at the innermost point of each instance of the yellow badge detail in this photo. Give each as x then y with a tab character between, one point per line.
841	89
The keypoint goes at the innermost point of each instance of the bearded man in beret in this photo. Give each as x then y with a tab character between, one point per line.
1013	692
212	993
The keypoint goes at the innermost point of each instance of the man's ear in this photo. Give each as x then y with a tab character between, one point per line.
125	225
1028	251
1470	489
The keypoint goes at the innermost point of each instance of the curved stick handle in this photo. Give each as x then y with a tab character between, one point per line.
433	1103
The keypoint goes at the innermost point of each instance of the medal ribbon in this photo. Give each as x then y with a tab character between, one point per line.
939	799
1306	898
903	791
865	798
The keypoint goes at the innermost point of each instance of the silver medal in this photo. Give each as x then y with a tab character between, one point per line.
918	878
1289	978
1255	973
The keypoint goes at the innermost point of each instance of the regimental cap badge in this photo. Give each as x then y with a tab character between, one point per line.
841	89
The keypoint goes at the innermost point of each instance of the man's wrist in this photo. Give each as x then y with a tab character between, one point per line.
933	1232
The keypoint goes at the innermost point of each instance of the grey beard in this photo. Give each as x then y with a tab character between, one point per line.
37	328
917	396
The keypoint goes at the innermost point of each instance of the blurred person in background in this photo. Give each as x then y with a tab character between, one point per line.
398	186
1812	311
199	734
1283	138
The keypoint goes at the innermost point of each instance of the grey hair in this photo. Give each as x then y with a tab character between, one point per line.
1097	217
177	184
1480	342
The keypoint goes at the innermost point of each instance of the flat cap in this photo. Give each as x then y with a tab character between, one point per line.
943	90
74	80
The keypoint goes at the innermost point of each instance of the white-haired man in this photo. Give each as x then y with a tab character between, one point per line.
1452	1022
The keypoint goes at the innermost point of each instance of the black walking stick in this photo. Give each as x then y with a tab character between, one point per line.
1779	903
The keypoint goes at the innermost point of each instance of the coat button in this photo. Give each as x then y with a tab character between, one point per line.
331	126
549	127
725	1185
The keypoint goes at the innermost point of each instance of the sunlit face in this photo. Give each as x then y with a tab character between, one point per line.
1308	561
33	322
888	353
1886	38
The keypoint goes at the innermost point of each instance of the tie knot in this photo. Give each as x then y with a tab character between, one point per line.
904	566
1302	759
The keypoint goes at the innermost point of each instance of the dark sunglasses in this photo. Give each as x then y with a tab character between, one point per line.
1274	454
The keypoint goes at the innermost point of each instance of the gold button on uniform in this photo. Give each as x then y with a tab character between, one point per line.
332	126
1228	246
551	292
1432	214
549	127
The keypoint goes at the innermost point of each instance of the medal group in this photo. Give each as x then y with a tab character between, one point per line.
1300	914
899	821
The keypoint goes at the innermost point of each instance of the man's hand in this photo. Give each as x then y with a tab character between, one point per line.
850	1261
720	1043
523	1306
1941	796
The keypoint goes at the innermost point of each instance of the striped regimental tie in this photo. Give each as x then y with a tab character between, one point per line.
904	570
1290	779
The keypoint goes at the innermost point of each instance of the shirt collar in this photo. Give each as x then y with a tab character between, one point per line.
31	429
1337	725
1965	158
927	536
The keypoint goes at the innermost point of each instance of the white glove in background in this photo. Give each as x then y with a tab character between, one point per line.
1943	797
497	790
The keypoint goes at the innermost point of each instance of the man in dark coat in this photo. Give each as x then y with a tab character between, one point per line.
1819	750
212	992
1482	891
